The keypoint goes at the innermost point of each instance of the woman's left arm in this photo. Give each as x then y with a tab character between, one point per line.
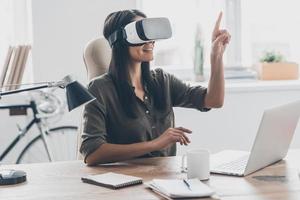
215	92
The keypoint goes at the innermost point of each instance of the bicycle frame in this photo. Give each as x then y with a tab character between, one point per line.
23	131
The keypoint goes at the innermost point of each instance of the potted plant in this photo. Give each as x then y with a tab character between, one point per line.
273	66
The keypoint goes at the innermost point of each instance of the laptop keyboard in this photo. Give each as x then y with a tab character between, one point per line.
235	165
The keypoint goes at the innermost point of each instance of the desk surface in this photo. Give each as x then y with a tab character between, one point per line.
61	180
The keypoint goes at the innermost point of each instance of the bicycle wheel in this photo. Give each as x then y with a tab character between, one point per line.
62	142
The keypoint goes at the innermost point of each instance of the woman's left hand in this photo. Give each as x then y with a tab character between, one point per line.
220	39
216	90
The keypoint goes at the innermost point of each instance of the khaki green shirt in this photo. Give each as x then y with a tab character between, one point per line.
104	120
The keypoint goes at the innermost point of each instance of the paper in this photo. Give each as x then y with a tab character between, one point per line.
176	188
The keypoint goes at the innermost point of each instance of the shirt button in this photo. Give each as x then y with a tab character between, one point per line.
147	111
146	97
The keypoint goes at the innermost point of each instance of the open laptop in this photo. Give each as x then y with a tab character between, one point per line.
271	144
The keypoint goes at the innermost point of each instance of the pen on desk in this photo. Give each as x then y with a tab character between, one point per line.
187	184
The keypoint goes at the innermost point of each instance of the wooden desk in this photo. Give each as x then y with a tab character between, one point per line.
61	180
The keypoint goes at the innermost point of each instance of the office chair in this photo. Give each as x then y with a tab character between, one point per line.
96	57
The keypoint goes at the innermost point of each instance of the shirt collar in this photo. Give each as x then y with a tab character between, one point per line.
144	86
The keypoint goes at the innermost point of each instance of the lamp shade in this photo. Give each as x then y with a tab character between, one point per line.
77	95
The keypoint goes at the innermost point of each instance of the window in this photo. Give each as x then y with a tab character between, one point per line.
255	26
184	16
270	25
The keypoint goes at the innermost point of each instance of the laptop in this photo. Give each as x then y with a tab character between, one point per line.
271	144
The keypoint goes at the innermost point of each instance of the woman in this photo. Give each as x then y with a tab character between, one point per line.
133	114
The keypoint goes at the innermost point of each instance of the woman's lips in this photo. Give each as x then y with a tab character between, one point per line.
147	49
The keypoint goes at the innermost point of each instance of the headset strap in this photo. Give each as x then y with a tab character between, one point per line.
117	35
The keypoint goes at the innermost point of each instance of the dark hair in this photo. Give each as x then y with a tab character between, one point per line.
118	68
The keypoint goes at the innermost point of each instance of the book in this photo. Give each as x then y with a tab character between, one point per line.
18	67
9	68
23	65
12	67
178	188
239	73
112	180
6	64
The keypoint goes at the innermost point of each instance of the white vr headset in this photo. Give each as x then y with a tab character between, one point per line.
142	31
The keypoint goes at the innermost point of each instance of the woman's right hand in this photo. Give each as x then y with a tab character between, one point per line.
171	136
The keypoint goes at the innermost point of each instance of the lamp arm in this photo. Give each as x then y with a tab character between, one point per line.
23	90
76	93
60	84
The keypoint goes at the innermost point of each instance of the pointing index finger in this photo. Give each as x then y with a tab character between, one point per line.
218	22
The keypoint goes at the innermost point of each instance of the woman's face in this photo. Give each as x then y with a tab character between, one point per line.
141	53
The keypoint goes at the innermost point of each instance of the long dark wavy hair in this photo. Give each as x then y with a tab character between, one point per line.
118	68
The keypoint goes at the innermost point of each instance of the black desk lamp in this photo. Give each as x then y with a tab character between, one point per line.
77	95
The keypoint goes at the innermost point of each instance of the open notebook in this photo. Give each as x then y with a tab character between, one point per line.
112	180
176	188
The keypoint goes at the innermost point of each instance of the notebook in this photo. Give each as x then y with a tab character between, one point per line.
176	188
112	180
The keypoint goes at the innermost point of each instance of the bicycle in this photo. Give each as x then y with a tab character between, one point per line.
50	144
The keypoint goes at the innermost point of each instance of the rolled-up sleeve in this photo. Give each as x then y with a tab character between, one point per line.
184	95
94	123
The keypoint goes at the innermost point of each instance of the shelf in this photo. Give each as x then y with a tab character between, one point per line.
256	85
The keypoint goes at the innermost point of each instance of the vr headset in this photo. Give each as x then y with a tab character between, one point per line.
142	31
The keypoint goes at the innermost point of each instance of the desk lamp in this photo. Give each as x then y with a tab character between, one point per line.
77	95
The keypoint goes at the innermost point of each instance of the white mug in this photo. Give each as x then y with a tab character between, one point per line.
197	164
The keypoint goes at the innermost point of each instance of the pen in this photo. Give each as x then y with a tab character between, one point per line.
187	184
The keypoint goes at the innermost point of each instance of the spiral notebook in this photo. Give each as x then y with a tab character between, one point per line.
112	180
176	188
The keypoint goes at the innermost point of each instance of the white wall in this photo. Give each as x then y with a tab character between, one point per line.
235	125
61	28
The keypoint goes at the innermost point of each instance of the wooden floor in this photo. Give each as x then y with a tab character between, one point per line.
61	180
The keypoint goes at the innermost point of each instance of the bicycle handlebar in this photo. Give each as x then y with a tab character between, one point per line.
40	111
21	106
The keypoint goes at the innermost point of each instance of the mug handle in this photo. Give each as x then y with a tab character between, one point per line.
183	168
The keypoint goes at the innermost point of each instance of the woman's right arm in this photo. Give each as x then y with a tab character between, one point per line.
108	152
